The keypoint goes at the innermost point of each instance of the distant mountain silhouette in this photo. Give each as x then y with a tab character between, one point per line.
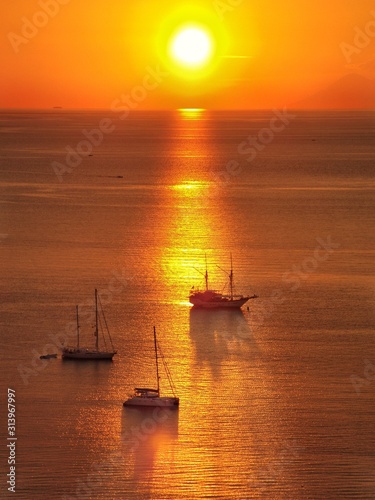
349	92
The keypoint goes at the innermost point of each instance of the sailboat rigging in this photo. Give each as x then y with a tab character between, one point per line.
151	397
78	352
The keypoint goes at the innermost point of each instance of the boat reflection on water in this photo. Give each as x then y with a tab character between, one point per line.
217	333
149	441
149	428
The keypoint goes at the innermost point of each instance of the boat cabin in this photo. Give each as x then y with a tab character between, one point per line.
146	393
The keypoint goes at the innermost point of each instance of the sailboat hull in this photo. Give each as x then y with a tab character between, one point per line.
152	402
213	300
85	354
218	304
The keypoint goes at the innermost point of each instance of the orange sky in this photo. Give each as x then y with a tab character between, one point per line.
91	52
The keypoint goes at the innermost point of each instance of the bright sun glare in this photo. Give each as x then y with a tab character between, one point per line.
191	47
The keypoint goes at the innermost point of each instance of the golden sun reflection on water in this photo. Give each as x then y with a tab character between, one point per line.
207	352
189	237
191	113
192	220
199	186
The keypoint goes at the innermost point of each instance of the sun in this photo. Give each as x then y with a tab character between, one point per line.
191	47
191	43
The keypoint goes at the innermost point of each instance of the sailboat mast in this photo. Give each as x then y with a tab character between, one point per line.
77	328
231	277
96	321
206	274
157	364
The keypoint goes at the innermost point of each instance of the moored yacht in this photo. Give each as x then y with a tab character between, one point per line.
211	299
151	397
78	352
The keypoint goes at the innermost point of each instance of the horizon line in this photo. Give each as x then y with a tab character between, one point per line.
193	109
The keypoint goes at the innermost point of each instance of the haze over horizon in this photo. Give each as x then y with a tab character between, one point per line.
84	55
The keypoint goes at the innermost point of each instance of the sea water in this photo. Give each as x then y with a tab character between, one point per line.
276	400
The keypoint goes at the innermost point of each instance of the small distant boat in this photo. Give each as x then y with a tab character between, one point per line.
89	353
48	356
151	397
213	299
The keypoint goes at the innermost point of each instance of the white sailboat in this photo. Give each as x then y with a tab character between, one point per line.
79	352
213	299
151	397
